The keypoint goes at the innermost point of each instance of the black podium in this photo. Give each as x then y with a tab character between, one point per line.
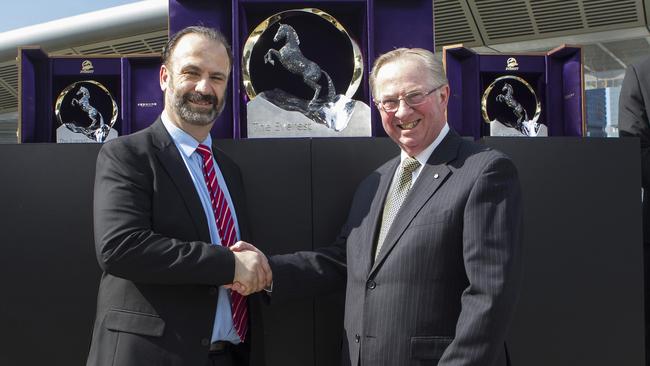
582	297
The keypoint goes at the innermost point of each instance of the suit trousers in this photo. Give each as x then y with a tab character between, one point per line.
235	355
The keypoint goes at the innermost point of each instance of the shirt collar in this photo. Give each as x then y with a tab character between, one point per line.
183	140
424	156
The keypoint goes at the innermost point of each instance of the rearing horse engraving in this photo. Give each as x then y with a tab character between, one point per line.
295	62
516	107
93	132
84	103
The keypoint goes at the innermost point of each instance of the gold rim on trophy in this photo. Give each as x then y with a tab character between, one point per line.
254	37
538	105
64	93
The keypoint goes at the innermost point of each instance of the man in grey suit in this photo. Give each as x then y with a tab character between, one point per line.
633	121
432	242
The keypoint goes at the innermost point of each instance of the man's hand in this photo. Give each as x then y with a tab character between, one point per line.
252	270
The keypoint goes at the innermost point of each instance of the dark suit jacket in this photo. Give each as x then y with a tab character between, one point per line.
157	296
633	120
444	286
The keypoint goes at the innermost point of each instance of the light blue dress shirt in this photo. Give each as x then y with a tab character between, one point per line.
223	329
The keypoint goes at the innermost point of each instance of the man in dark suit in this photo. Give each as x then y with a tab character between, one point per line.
633	120
167	204
432	242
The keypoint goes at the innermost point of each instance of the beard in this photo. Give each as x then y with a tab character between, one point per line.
190	113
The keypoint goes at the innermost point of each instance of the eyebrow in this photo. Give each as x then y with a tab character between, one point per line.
196	68
190	68
220	74
405	94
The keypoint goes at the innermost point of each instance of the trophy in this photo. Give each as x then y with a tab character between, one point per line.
296	59
511	107
86	112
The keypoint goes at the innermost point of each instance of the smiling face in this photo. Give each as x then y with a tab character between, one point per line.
412	128
194	81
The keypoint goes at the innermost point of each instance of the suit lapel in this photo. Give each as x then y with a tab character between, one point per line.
171	160
433	175
374	214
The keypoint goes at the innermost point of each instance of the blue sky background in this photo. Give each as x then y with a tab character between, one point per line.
23	13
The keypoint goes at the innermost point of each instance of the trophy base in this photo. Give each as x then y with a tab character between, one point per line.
64	135
499	129
342	117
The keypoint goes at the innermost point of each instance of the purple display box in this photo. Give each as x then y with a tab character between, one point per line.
556	76
377	26
132	80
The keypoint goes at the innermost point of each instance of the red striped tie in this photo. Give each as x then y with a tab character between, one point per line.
226	227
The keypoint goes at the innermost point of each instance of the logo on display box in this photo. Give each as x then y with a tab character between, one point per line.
87	67
512	64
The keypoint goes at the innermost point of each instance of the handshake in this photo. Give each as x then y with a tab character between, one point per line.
252	270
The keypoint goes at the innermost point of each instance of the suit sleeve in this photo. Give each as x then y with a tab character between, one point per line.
309	273
318	272
633	114
125	243
492	257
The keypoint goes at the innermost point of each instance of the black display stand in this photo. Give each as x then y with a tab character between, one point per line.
582	296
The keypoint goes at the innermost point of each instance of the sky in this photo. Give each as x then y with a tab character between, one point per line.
23	13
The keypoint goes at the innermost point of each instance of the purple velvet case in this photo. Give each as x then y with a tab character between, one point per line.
556	76
132	80
377	26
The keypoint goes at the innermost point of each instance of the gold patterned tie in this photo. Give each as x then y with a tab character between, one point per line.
400	189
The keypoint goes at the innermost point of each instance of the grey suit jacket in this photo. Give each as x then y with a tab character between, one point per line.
443	289
633	120
158	292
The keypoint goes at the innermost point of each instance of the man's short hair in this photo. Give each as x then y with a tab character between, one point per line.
209	33
428	59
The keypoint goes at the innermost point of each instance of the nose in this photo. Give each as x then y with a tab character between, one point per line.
403	109
203	86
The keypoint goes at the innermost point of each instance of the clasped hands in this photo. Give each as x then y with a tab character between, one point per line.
252	270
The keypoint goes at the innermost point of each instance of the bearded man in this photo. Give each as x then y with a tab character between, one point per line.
167	205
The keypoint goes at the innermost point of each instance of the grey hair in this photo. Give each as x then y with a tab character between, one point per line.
430	62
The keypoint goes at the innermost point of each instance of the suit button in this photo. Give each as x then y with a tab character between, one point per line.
212	291
357	338
205	342
371	284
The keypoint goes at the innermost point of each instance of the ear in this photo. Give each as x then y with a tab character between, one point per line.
444	95
164	77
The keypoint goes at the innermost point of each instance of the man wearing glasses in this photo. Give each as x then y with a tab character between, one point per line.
433	238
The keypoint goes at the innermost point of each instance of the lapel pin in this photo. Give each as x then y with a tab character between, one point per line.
435	176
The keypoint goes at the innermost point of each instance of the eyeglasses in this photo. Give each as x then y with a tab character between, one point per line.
411	99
